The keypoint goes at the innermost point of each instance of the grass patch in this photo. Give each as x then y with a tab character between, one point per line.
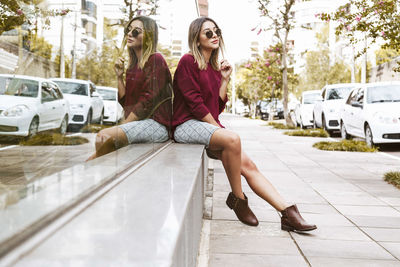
345	145
277	125
393	178
53	140
308	132
94	128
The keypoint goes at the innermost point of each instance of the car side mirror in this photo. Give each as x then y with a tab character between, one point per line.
95	94
356	104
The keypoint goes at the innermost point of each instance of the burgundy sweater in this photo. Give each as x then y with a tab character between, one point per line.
146	88
196	92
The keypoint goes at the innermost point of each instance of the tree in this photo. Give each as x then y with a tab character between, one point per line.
318	69
282	23
384	55
377	19
11	14
262	77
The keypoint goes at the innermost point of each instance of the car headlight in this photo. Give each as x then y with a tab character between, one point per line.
77	106
15	111
386	119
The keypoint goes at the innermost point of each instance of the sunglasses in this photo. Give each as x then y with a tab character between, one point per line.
135	32
210	33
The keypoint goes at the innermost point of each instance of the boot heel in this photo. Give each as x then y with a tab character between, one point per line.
286	228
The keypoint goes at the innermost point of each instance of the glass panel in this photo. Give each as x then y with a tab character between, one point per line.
384	93
311	98
338	93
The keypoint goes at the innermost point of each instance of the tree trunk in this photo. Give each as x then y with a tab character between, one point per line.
288	119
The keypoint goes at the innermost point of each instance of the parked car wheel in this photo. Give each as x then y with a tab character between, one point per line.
324	125
64	125
368	136
101	120
314	123
89	117
301	124
34	127
344	133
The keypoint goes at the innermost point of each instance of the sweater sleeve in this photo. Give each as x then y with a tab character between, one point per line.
222	104
156	76
186	78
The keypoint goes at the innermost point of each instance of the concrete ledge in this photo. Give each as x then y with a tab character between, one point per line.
50	197
151	218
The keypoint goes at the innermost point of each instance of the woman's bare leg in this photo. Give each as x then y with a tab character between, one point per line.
258	182
228	145
109	140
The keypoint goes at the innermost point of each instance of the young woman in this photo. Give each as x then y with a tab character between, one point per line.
200	85
145	94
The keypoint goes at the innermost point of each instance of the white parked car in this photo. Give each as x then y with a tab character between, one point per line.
241	108
304	109
326	112
113	111
86	104
29	105
372	111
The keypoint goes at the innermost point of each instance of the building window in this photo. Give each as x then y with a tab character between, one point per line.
90	28
89	8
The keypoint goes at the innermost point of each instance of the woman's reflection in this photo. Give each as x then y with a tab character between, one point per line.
145	94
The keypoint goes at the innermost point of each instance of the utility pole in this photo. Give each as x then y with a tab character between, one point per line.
62	64
364	64
74	48
353	65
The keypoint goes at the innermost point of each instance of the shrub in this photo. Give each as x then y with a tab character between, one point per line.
345	145
393	178
93	128
53	140
278	125
308	132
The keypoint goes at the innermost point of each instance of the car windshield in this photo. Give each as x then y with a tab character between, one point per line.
311	98
107	94
264	104
384	93
73	88
18	87
338	93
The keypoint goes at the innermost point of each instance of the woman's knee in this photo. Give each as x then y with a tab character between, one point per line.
233	141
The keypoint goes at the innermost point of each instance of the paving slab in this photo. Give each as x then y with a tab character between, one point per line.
356	211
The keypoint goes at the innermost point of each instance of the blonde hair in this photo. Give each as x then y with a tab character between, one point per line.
194	34
150	40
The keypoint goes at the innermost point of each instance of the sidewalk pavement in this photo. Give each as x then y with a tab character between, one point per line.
356	211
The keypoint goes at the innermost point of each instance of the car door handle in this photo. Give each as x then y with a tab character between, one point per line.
54	107
351	113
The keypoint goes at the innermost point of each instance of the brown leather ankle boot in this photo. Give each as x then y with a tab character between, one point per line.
242	210
291	220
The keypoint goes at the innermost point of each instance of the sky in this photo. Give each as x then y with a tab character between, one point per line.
236	18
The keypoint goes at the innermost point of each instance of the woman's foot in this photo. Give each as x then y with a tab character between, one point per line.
291	220
242	210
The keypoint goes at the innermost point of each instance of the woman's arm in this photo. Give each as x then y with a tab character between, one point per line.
120	70
210	119
226	71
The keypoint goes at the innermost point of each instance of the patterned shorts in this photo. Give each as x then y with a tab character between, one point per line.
145	131
195	132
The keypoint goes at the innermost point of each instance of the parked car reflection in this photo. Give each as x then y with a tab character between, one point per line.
304	109
85	103
372	111
29	105
113	111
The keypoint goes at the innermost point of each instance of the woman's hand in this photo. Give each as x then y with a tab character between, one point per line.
119	67
226	69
